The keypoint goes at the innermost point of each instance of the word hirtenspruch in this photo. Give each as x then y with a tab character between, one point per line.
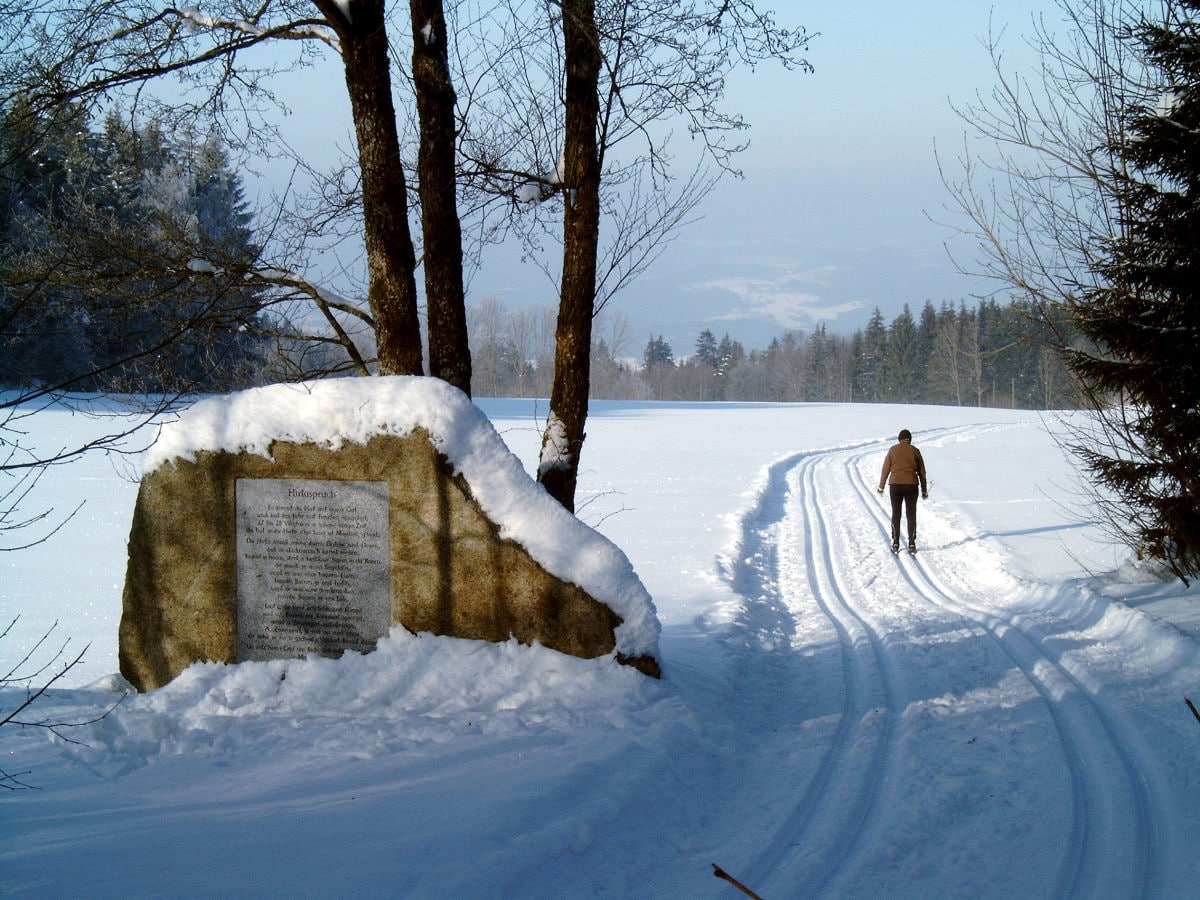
311	495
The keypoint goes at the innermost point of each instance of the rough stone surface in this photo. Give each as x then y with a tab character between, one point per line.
451	572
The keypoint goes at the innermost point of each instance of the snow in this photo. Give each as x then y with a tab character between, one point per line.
1001	715
344	7
556	448
353	410
201	266
197	23
530	192
1168	103
534	192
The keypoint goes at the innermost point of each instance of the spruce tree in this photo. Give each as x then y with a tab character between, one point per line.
729	353
869	361
706	349
1144	316
42	166
901	364
123	259
658	353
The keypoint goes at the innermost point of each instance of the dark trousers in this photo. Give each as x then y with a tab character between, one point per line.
904	495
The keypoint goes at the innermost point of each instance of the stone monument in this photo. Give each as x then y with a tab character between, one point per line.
313	566
283	522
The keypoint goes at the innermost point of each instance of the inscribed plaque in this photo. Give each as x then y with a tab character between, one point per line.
312	567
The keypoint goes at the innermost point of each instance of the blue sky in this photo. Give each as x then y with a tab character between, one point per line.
833	217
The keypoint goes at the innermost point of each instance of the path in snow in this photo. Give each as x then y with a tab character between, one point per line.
948	713
842	723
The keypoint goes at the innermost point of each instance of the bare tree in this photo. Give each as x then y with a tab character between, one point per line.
573	101
600	155
60	60
1063	201
361	28
562	443
86	53
437	178
1037	186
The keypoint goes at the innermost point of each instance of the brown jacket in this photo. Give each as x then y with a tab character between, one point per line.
904	463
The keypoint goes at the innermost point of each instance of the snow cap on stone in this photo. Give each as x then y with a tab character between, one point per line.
333	412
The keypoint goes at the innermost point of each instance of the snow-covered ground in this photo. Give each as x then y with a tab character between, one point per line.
1001	716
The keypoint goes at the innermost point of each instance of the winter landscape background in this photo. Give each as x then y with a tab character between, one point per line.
1002	715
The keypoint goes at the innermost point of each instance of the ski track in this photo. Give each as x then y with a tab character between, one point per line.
1105	855
844	794
843	809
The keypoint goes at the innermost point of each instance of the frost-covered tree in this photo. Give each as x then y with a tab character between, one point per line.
96	51
102	281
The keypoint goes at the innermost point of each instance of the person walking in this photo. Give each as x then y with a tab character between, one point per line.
905	467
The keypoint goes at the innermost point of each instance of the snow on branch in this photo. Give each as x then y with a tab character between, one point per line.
196	22
327	303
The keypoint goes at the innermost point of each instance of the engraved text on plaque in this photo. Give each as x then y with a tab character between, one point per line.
312	567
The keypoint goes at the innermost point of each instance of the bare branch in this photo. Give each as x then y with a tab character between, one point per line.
36	685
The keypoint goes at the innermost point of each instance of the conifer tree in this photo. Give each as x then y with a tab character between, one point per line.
1143	316
869	360
729	353
706	349
901	362
123	262
658	353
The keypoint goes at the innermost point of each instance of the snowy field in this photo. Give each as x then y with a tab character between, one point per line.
1001	715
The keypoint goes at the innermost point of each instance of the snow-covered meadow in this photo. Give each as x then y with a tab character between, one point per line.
1002	715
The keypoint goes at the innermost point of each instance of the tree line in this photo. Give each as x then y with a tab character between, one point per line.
990	354
107	238
113	236
473	122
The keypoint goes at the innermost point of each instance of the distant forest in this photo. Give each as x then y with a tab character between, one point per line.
98	291
986	355
100	231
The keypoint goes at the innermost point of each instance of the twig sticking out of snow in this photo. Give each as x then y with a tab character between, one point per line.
1192	707
721	873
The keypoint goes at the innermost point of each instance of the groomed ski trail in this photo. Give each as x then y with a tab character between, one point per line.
928	653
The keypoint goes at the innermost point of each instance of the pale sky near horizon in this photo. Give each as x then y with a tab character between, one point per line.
833	216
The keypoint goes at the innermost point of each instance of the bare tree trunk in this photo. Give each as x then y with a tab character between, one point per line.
558	470
391	262
449	352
